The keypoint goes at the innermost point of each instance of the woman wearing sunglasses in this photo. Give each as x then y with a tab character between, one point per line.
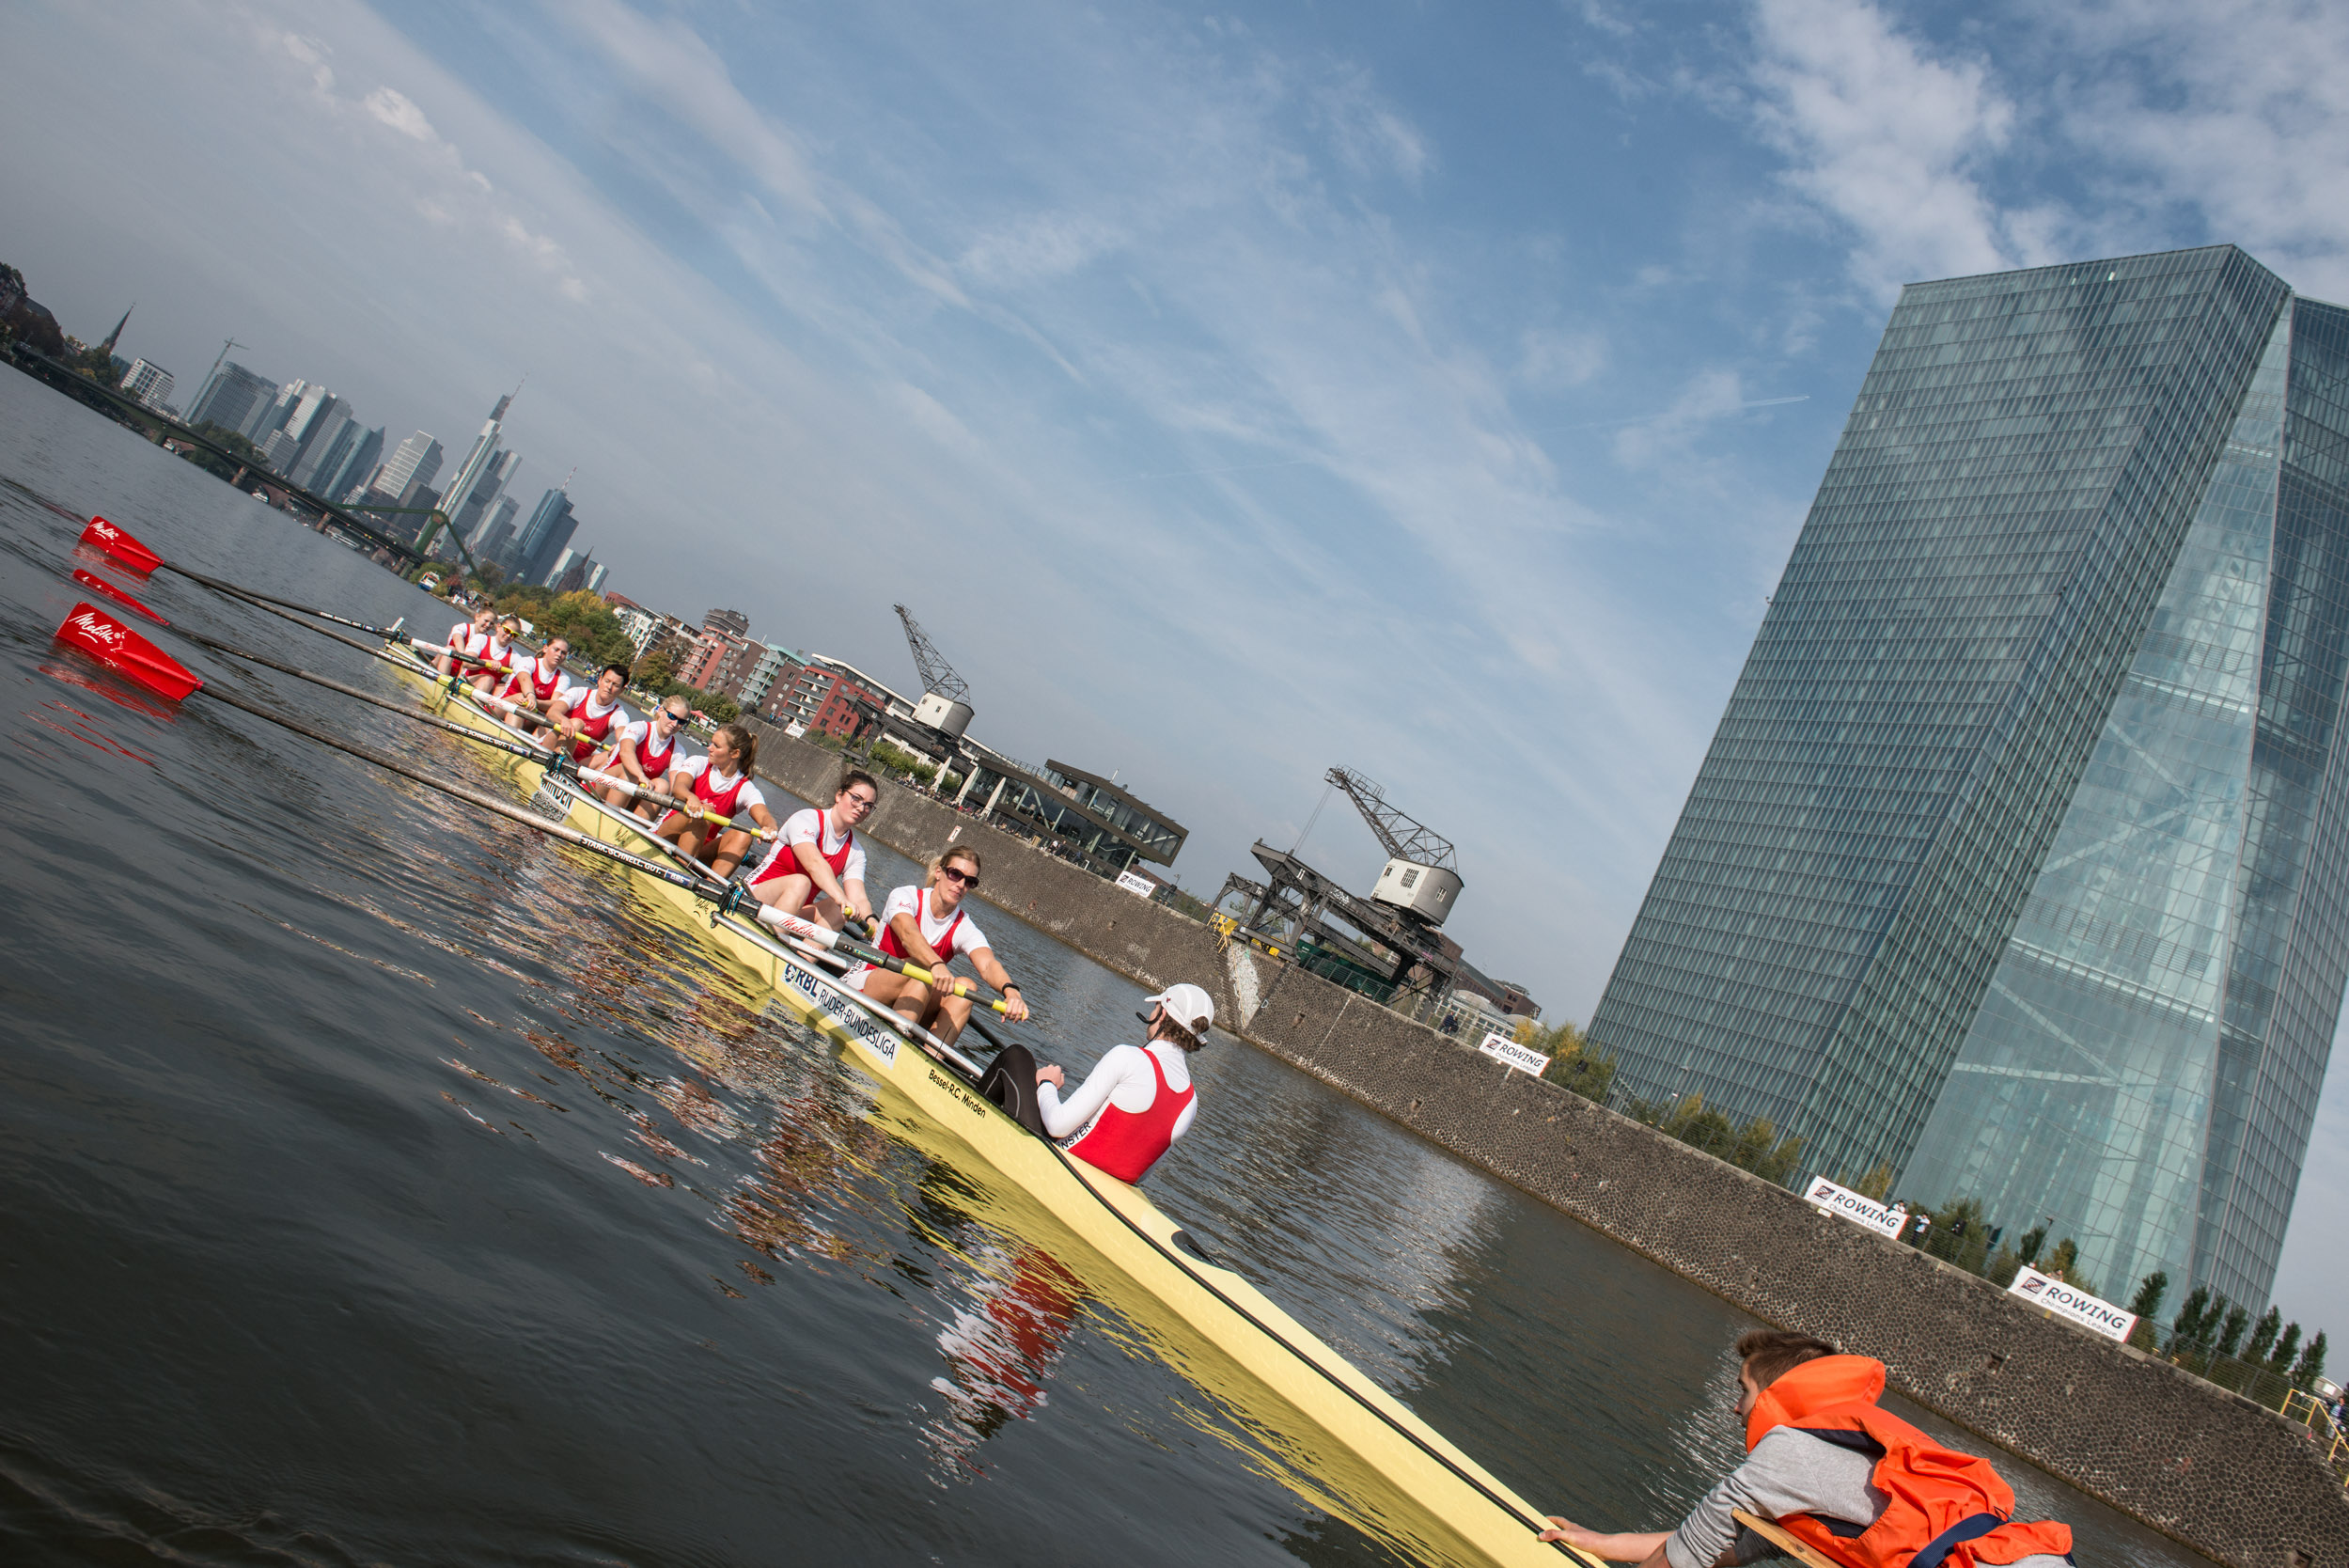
816	869
929	926
645	752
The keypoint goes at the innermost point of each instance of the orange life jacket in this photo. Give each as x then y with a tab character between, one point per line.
1945	1509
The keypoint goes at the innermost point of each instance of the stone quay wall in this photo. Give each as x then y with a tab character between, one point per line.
2213	1470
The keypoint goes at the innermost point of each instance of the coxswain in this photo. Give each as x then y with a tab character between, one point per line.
468	640
535	687
720	785
929	926
1133	1106
1856	1484
816	869
645	752
588	717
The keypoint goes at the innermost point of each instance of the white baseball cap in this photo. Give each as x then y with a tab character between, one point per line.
1187	1004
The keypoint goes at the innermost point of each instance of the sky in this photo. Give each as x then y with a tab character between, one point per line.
1432	390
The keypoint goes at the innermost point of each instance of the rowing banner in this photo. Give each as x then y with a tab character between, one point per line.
1857	1207
2046	1290
1502	1048
1136	884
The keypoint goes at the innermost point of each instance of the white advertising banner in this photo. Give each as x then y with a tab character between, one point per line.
1524	1060
1857	1207
2045	1289
1136	884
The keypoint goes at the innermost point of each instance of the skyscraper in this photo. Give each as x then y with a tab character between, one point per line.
344	481
457	495
543	537
415	462
2019	859
478	511
231	397
149	384
498	532
332	436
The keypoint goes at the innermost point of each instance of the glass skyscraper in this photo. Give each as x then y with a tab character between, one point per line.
2018	860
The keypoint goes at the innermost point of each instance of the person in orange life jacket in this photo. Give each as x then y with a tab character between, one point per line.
535	686
816	869
643	750
590	716
929	926
469	636
719	783
1133	1106
1857	1484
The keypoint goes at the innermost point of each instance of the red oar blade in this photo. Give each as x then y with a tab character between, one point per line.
96	584
127	552
105	639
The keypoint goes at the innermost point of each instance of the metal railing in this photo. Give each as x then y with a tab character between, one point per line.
2308	1411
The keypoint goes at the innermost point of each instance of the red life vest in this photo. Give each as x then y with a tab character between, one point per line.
1945	1509
785	860
1126	1143
593	726
943	946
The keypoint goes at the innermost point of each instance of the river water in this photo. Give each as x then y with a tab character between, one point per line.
383	1185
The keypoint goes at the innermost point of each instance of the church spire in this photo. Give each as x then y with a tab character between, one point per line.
107	347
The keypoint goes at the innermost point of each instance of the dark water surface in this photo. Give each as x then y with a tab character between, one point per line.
381	1184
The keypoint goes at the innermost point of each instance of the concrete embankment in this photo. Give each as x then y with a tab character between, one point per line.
2222	1475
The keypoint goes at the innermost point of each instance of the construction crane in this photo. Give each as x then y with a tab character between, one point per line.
937	675
1406	836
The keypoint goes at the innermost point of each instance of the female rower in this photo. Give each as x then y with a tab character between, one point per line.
720	785
817	867
467	640
1136	1100
645	751
497	660
536	686
587	717
929	926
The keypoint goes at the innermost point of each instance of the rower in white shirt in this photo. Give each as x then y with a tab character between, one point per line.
928	925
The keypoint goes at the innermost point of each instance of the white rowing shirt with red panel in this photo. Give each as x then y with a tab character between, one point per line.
641	734
845	855
596	719
947	933
543	678
727	795
466	642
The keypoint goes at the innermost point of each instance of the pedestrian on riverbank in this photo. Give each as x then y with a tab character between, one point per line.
1856	1484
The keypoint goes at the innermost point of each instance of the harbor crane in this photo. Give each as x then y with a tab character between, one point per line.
1406	836
937	675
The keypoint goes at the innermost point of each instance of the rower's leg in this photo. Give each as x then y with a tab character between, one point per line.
733	843
785	892
1010	1081
953	1012
830	912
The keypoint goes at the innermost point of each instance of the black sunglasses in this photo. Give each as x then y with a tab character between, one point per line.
960	879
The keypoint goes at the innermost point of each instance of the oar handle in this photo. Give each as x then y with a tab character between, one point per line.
832	941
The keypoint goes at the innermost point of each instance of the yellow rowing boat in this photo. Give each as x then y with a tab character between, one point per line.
1341	1441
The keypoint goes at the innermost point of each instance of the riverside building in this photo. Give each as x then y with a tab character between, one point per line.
2018	860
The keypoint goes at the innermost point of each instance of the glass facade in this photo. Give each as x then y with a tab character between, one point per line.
2013	862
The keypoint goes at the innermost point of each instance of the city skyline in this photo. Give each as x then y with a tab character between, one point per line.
1251	387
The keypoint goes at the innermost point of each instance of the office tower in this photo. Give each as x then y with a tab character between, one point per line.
332	437
472	521
543	538
2019	859
498	534
344	479
569	572
230	398
595	578
415	462
457	495
273	415
149	384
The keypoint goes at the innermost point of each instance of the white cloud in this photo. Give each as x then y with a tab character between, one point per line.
389	106
1889	139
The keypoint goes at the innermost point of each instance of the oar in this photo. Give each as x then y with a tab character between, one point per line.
128	553
521	747
93	632
96	584
809	932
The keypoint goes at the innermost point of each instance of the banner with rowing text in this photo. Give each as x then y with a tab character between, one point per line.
1502	1048
2046	1290
1857	1207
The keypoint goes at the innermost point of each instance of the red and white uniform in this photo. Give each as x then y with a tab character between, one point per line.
542	681
843	853
468	643
948	933
726	796
596	721
654	755
496	653
1130	1109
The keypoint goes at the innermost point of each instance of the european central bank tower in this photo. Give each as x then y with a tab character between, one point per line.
2018	858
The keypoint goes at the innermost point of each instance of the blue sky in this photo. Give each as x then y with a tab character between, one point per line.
1435	390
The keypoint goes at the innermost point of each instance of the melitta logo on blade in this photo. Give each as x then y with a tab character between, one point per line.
2046	1291
93	627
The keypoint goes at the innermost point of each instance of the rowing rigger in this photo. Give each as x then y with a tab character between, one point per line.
1207	1321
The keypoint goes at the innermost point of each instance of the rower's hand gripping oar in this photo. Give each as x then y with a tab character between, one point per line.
832	941
92	631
